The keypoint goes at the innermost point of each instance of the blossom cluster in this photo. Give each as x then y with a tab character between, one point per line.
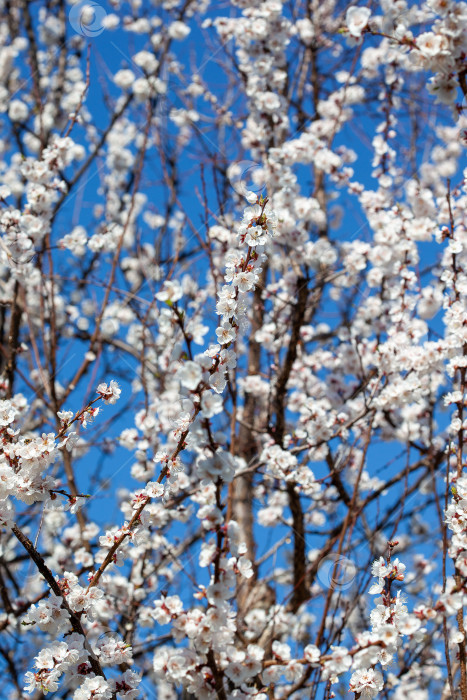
243	273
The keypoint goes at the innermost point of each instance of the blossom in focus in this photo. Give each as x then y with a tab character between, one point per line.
356	19
109	393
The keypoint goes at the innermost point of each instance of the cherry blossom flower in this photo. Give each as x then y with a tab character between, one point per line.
109	393
356	20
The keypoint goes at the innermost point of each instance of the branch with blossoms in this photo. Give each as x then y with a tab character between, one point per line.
242	273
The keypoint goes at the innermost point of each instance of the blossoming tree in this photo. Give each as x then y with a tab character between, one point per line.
233	285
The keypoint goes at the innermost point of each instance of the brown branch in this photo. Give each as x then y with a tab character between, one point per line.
13	336
283	378
53	585
300	588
